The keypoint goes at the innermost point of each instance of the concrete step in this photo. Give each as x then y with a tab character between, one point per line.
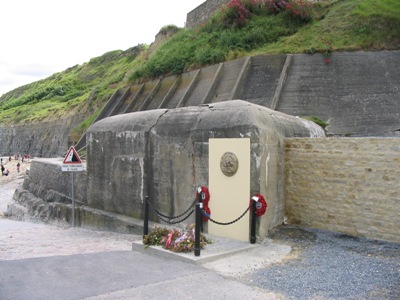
218	249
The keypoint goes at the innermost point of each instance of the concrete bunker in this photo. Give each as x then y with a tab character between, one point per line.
164	154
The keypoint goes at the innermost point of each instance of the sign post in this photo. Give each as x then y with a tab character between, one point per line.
72	163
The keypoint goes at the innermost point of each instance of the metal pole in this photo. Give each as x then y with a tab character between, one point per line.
197	230
146	217
73	201
253	222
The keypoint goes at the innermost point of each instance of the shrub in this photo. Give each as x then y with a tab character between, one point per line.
299	10
237	13
209	55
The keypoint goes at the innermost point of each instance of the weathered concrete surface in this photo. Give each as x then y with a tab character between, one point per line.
39	139
46	195
344	185
357	93
163	154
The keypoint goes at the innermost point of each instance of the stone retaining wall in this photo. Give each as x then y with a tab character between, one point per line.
344	185
203	12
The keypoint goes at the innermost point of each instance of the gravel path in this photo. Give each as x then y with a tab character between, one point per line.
327	265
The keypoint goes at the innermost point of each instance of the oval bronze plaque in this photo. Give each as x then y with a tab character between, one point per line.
229	164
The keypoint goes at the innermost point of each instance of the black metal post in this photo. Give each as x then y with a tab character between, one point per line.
197	231
146	217
253	222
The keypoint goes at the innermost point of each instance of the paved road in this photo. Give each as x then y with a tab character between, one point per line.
46	262
39	261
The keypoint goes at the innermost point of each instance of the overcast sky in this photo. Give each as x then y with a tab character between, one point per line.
41	37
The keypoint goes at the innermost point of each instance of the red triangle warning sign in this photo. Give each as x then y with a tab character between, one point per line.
72	157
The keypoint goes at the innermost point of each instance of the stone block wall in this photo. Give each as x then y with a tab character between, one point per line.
202	12
345	185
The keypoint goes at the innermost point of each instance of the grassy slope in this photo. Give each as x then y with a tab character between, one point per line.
346	24
79	88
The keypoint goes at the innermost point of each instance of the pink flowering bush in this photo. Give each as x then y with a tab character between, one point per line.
299	10
237	13
275	6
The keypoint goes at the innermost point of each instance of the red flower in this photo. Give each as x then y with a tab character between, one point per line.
169	240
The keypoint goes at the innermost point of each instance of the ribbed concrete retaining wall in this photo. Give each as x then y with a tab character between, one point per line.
357	94
344	185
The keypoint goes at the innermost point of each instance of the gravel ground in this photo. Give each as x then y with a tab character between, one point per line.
327	265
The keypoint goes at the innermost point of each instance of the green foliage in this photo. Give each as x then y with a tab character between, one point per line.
78	131
237	13
60	92
317	121
155	236
346	25
377	24
211	44
207	55
169	28
83	87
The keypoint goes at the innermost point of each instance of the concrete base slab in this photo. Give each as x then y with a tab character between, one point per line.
220	248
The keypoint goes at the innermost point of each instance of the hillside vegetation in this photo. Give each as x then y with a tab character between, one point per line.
242	28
